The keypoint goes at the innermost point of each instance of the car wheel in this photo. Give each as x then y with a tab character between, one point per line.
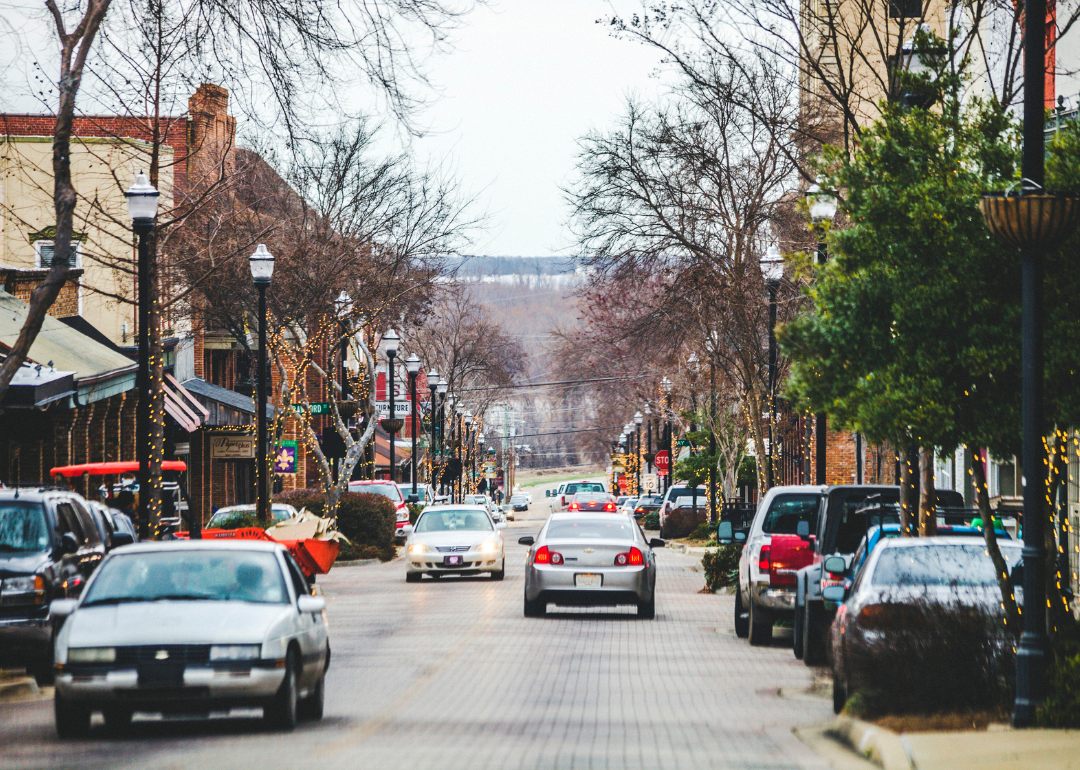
72	719
797	634
814	653
117	719
41	668
413	577
760	626
280	714
839	693
535	609
312	707
742	622
501	573
647	610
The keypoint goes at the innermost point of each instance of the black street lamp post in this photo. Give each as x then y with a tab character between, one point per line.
433	385
412	365
822	204
714	514
772	267
142	202
638	419
442	387
665	386
262	268
390	340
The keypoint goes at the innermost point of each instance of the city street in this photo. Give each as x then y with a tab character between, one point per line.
449	673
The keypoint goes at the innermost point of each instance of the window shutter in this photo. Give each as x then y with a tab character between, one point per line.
47	250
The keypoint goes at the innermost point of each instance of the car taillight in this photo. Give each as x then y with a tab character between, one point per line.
632	558
609	507
639	510
764	559
574	507
545	556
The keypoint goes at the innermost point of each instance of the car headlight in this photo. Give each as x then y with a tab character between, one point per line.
418	548
488	546
91	654
235	651
25	589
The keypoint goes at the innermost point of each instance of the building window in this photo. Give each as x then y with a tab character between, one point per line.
44	250
905	9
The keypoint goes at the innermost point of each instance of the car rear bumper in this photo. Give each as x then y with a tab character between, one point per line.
779	599
624	585
202	689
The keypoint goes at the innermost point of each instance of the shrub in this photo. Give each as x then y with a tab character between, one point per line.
353	552
703	531
414	512
934	658
721	566
682	521
1062	706
651	521
312	499
367	519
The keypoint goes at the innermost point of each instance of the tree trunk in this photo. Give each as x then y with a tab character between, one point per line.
1005	586
1059	613
927	495
907	504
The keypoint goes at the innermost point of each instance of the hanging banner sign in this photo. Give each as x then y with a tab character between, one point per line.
285	458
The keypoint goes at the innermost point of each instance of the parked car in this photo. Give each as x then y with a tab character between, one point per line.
673	499
238	516
568	489
185	627
391	492
114	526
838	530
50	545
583	559
626	506
454	539
592	502
648	504
952	571
519	502
765	590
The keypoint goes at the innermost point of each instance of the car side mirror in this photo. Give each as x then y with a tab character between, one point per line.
802	529
740	537
121	538
407	530
500	525
68	543
61	608
310	604
724	532
528	540
836	565
833	593
547	493
657	543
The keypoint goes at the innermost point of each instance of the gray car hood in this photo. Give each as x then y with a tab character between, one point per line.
173	622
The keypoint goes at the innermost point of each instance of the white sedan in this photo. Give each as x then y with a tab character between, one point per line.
191	627
454	539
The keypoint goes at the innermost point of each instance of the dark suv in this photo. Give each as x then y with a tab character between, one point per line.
49	545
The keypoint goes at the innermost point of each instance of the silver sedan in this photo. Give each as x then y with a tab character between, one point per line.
588	560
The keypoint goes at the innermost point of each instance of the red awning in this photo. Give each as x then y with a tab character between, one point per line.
107	469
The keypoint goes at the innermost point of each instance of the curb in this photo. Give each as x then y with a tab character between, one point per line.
20	687
358	562
882	747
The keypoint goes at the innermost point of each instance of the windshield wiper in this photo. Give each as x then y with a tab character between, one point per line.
182	598
112	600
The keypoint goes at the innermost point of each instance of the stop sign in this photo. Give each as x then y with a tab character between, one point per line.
661	462
623	483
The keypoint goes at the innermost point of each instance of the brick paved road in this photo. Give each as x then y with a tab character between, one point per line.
449	673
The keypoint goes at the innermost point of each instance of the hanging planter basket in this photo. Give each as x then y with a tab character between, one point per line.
649	457
1030	220
347	409
392	424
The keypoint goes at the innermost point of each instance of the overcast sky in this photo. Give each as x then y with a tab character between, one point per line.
526	79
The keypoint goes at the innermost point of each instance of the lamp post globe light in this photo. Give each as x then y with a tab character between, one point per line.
142	203
412	366
262	268
822	205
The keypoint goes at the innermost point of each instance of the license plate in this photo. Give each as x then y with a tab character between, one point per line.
451	561
589	581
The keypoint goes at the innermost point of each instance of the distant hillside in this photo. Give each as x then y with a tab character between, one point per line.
476	267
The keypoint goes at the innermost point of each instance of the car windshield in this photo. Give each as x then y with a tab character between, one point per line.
651	500
386	490
688	492
475	500
188	574
238	517
786	511
572	489
518	499
940	565
453	521
23	527
616	528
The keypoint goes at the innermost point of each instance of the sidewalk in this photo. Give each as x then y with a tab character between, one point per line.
994	749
